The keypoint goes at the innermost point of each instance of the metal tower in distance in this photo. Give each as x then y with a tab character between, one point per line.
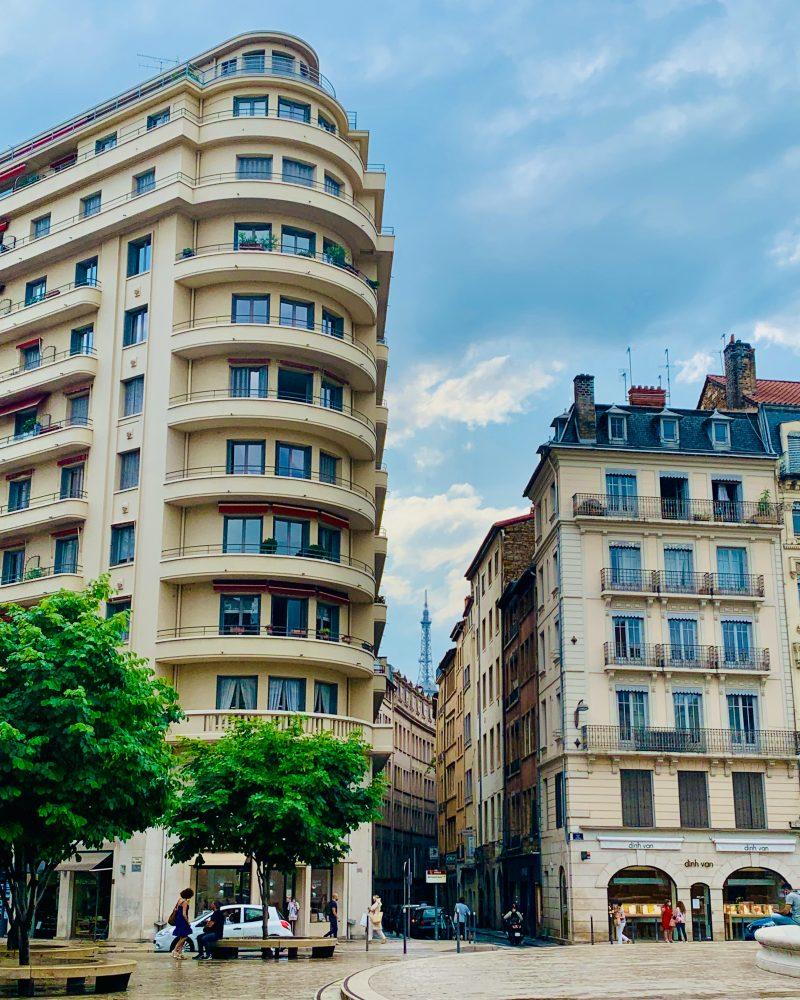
425	658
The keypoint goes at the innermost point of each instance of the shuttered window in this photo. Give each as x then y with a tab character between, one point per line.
637	798
748	800
693	799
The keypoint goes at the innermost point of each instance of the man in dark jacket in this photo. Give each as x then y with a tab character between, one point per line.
214	931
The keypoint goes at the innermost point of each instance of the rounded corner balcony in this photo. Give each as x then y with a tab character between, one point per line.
204	563
203	725
56	305
47	438
223	263
211	408
49	371
214	483
39	582
43	513
347	654
220	336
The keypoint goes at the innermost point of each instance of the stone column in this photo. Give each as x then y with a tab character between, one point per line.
717	916
303	897
684	894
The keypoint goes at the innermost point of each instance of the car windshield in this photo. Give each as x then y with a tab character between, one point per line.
203	916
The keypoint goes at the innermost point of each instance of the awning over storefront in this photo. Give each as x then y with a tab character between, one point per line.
91	862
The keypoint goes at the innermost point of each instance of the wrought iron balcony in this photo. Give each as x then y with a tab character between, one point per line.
652	581
704	742
684	656
669	509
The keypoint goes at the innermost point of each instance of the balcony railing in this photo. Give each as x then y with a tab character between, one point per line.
651	581
7	307
323	402
200	722
667	509
267	548
686	656
268	631
68	566
44	425
43	501
664	739
269	472
48	356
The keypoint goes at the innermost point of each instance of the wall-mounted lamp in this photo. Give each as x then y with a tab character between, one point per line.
580	707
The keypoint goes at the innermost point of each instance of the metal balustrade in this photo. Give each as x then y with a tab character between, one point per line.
47	357
7	307
43	501
663	509
687	656
268	472
706	742
67	567
268	548
264	631
650	581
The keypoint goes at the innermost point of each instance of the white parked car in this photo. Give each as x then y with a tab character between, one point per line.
240	921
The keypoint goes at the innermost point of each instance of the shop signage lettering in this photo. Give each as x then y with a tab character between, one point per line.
694	863
772	846
626	844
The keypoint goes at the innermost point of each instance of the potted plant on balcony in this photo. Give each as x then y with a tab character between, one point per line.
269	547
187	252
315	552
764	510
336	254
36	573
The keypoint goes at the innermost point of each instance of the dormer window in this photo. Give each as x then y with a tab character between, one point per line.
617	428
721	433
669	432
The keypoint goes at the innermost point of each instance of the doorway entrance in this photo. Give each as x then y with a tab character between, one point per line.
91	904
700	902
641	892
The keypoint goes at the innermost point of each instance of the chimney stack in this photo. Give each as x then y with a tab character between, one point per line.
585	413
647	395
740	375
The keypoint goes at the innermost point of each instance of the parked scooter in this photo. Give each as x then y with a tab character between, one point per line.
513	922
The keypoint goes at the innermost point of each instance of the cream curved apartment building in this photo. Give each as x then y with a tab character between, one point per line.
193	291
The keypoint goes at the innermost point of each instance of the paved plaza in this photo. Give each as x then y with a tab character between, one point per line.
432	970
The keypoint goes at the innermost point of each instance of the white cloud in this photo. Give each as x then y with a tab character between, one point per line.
786	248
428	457
695	368
778	336
431	542
488	391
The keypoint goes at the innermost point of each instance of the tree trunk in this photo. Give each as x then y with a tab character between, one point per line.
262	874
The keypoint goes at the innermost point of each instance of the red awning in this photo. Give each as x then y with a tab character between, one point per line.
73	459
9	175
27	402
243	508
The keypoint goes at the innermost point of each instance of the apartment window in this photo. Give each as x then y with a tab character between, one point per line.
135	328
632	713
120	607
81	340
330	539
693	799
287	694
72	481
295	385
252	236
253	62
737	641
325	123
78	409
242	534
621	491
326	697
628	638
293	460
468	729
90	205
298	241
139	255
331	394
66	555
123	543
250	309
129	469
295	172
35	291
292	536
721	434
26	423
669	432
743	718
250	107
617	429
19	494
133	396
637	798
248	381
104	144
237	693
295	110
328	468
245	458
332	324
732	569
327	621
228	67
332	186
796	518
254	168
144	182
86	272
559	794
40	227
289	616
468	785
282	62
159	118
748	801
239	614
30	357
13	565
297	314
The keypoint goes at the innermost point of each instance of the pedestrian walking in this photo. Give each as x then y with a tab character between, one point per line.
292	912
375	920
332	912
461	915
620	920
667	921
679	916
214	931
179	918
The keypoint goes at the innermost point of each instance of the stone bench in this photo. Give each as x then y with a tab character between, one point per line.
779	950
272	947
109	977
61	953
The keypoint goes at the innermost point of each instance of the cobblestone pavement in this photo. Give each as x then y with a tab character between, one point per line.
702	971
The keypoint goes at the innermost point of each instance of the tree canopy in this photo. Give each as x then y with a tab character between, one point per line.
83	759
273	794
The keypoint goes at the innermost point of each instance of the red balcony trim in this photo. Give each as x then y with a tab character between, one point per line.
243	508
248	361
72	532
77	390
73	460
19	475
28	343
23	404
335	522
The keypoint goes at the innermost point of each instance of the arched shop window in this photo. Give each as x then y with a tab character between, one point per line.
641	891
750	893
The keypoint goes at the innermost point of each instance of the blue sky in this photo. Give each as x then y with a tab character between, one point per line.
567	178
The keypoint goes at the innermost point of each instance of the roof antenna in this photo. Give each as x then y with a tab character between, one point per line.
669	380
630	366
624	376
155	62
722	354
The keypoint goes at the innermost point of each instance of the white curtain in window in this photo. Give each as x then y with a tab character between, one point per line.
284	694
226	692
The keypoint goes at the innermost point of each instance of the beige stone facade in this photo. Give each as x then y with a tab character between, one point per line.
193	356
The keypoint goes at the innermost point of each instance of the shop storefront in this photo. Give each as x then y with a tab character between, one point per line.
748	894
641	891
226	884
88	880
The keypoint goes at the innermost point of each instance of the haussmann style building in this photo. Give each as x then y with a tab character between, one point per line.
193	292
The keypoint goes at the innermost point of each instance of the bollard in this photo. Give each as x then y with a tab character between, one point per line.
458	937
591	928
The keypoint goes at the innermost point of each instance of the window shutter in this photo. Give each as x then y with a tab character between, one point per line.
693	799
748	800
637	798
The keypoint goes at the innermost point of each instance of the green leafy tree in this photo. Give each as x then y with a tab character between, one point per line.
274	794
83	759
